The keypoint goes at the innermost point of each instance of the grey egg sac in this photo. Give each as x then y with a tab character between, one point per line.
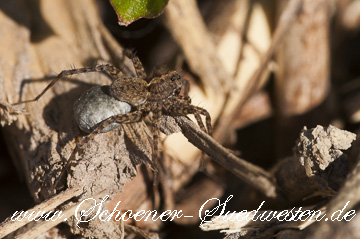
96	105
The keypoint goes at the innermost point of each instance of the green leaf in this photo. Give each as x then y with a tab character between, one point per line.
132	10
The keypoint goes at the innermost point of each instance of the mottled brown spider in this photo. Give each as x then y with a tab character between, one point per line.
161	96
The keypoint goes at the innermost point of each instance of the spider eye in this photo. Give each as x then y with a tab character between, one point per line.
175	77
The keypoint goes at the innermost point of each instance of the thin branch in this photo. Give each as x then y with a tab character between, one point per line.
252	174
9	226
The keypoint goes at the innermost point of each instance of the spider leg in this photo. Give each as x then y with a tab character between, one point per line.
181	106
186	108
198	110
155	133
139	69
186	86
110	69
185	98
125	118
185	89
199	121
202	127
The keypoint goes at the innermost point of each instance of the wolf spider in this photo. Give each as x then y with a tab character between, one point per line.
161	97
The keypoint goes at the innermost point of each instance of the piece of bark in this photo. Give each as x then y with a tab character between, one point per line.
319	167
348	196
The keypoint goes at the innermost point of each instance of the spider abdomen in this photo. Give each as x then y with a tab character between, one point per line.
96	105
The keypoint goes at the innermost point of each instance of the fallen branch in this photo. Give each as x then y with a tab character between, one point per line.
253	175
9	226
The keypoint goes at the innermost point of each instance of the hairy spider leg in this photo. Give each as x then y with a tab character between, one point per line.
185	108
139	68
200	123
124	118
202	127
110	69
185	98
186	86
155	132
198	110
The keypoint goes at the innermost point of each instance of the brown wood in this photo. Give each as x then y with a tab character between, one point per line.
302	81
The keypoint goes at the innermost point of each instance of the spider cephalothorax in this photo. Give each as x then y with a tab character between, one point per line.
165	86
161	96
